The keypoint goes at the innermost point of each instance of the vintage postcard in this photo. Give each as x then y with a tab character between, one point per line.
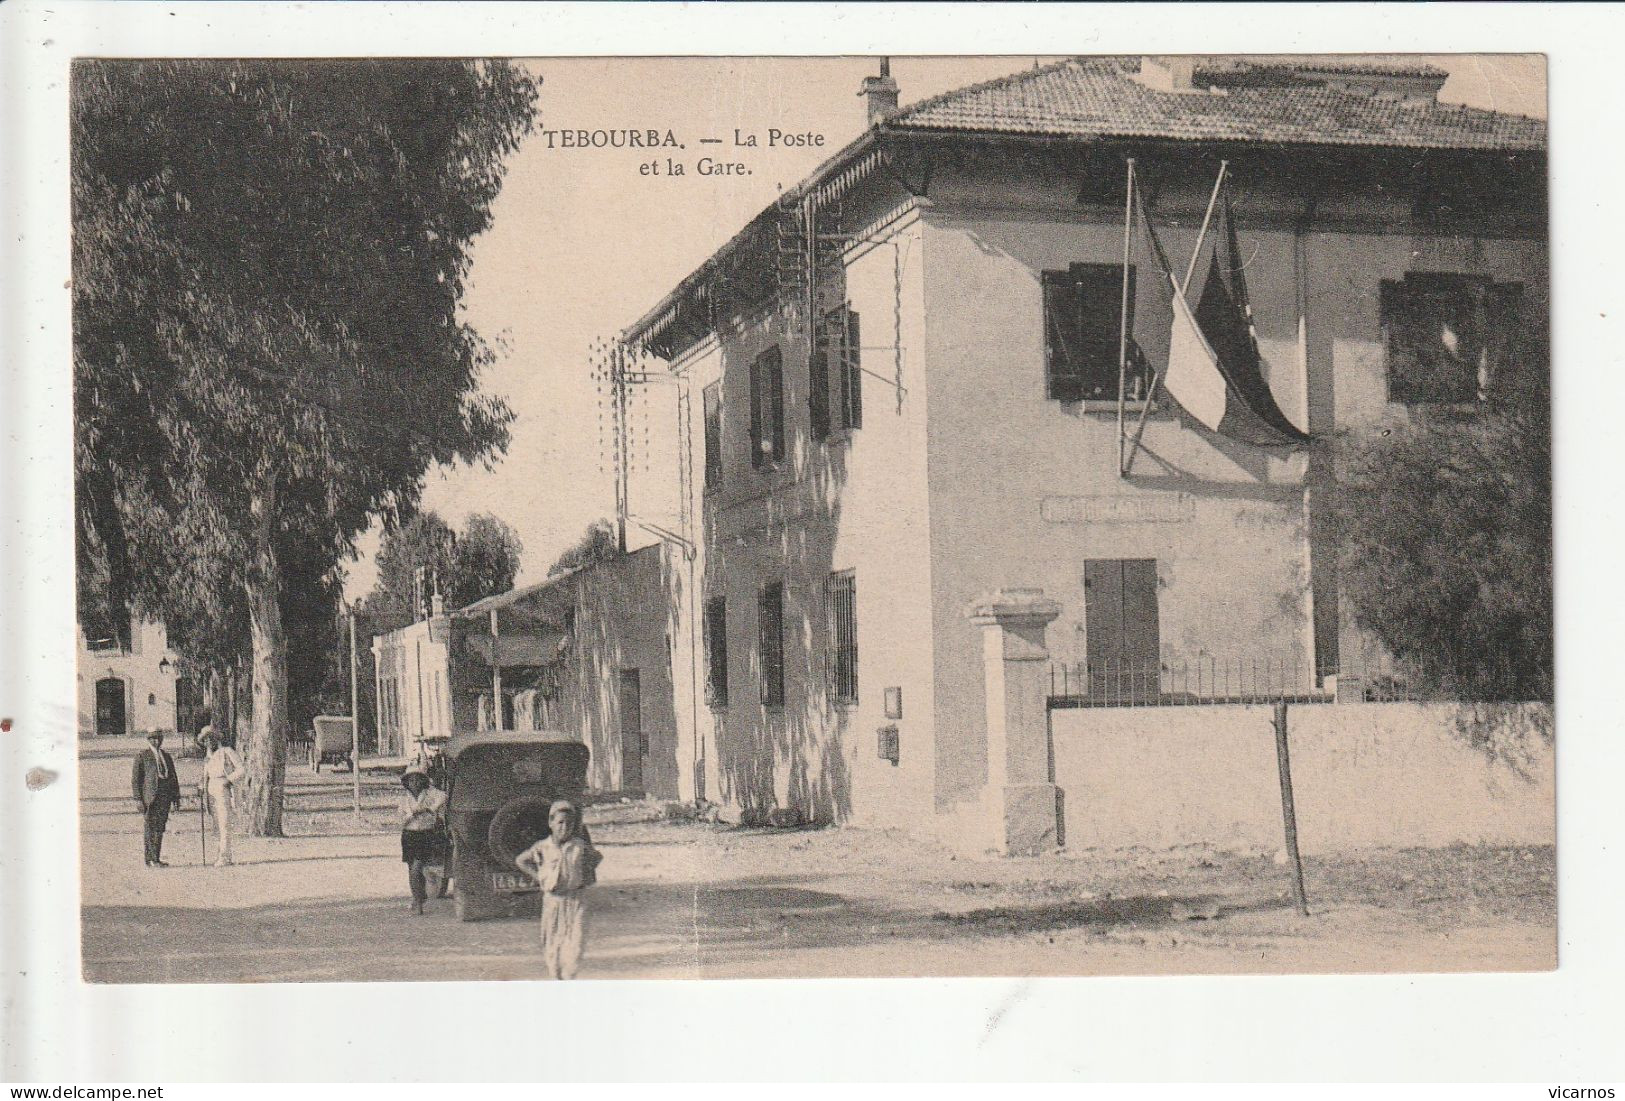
798	517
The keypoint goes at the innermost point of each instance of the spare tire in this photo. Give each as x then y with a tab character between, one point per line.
516	826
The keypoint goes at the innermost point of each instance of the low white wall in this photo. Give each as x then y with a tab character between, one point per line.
1365	774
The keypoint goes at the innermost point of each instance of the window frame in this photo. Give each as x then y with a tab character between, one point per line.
767	409
1493	307
1071	386
842	587
770	643
716	651
711	414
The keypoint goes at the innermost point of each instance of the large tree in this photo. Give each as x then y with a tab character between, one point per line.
268	262
1444	521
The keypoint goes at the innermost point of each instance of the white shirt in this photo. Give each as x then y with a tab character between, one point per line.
223	766
422	812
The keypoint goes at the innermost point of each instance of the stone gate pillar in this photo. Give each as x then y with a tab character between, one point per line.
1021	797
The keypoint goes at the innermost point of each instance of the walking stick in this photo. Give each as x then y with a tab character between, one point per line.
203	822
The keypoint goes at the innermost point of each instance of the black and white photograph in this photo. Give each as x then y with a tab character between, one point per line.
996	515
837	541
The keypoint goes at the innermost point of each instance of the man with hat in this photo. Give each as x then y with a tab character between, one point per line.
156	790
423	831
222	771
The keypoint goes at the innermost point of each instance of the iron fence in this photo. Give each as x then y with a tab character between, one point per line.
1209	679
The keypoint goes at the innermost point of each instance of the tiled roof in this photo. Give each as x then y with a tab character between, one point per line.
1102	98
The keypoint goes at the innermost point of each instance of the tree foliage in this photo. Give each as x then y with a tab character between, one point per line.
597	544
268	260
1444	522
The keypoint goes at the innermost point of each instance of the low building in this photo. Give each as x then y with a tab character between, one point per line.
588	652
130	682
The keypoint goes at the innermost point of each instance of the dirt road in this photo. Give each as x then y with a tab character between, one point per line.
689	899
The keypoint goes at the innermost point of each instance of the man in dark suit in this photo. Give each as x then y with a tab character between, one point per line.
156	789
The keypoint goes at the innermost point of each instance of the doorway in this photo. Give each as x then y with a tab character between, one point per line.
111	720
629	695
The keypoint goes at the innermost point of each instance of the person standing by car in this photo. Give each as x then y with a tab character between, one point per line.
156	790
565	864
222	771
423	831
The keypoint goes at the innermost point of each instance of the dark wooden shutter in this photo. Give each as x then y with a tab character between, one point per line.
1061	337
852	373
774	380
716	645
1122	639
770	648
818	385
758	454
713	436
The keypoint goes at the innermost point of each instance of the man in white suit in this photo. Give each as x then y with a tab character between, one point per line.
222	770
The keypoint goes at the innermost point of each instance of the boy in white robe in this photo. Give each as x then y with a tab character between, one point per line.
565	864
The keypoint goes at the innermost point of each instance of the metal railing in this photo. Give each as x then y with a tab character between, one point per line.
1209	679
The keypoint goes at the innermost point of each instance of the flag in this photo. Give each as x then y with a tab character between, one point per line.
1214	369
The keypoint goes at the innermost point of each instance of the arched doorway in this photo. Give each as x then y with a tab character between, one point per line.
111	719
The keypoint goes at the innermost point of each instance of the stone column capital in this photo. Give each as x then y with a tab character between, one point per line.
1013	608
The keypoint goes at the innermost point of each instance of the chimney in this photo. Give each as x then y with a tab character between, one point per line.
1168	73
880	94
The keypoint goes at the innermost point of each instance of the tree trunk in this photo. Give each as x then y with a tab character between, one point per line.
267	757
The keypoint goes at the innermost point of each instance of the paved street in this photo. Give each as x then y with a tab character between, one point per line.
687	899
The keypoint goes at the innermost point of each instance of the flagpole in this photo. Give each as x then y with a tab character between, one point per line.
1201	236
1179	289
1122	320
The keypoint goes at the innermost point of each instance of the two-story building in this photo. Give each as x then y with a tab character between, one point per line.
908	371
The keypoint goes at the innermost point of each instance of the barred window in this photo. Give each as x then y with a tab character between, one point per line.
716	650
843	622
1083	313
713	435
767	408
770	622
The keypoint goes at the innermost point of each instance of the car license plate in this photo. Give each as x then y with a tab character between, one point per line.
511	881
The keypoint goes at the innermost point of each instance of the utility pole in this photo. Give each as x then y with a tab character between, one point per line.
623	456
355	721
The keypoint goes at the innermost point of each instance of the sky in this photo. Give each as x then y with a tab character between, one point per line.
583	243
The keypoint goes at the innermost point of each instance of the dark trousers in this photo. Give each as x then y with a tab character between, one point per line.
152	835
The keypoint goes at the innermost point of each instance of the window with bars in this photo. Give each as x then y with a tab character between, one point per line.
1445	335
767	408
1083	314
716	651
842	598
713	435
770	650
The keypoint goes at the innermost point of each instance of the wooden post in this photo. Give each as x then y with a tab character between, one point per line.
496	675
1122	317
355	725
1289	813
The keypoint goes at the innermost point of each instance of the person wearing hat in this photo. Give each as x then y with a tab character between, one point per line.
565	864
156	790
423	836
222	771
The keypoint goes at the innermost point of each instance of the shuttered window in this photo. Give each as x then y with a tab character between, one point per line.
716	650
1446	335
842	599
1120	624
1083	313
713	435
770	653
835	370
767	408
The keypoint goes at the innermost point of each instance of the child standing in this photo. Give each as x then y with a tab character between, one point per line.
565	864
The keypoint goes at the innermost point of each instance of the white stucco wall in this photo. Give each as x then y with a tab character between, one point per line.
149	692
1377	774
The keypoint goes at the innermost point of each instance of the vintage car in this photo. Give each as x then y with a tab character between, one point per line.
499	785
331	741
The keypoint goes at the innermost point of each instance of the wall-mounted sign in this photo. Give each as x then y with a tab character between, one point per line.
1162	508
